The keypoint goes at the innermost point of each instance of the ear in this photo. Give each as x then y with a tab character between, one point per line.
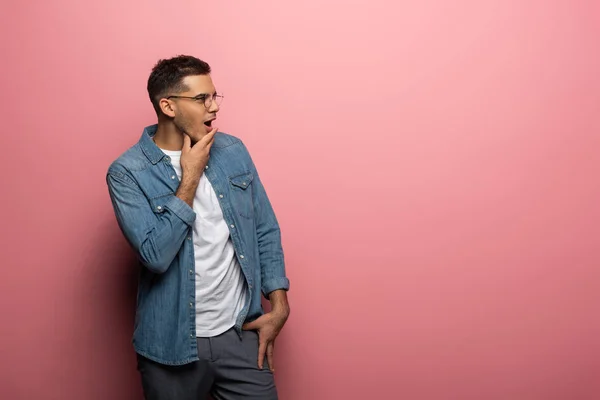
167	107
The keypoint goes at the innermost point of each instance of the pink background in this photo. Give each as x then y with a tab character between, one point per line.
434	166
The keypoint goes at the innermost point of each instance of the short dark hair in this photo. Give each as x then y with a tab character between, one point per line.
168	74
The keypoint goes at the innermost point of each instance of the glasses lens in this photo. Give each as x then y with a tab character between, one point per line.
210	99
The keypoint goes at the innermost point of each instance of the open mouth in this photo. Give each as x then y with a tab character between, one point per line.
208	124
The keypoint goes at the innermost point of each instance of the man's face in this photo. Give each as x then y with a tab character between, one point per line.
192	116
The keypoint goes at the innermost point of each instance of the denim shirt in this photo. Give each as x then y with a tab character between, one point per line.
158	225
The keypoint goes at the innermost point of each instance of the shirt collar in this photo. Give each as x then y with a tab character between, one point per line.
148	146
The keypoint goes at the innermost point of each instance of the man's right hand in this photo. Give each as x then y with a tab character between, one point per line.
193	161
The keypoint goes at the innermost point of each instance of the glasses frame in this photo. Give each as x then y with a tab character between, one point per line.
206	99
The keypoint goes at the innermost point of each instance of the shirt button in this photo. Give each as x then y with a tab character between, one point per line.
159	208
167	159
191	271
206	167
191	305
172	176
221	196
232	225
192	336
189	238
242	257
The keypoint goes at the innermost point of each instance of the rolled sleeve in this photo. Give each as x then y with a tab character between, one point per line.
280	283
181	209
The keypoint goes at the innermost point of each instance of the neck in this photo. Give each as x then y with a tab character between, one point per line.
168	137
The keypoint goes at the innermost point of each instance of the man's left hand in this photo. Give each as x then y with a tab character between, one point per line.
268	326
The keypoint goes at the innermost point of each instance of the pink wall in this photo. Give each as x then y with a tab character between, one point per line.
434	165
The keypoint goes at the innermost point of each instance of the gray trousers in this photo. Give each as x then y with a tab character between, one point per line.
227	370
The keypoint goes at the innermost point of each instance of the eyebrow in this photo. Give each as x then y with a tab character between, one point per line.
206	94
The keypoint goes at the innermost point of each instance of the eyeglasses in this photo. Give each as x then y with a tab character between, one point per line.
206	99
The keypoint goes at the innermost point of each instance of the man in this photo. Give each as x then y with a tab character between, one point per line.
190	202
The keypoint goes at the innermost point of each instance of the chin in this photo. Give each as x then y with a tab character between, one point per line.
196	137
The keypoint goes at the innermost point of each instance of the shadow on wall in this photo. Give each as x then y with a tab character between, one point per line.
109	287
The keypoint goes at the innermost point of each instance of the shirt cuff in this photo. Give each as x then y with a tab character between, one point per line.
275	284
181	209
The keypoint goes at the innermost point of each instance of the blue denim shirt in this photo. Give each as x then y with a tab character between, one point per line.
158	225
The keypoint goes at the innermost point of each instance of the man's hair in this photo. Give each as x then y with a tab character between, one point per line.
167	77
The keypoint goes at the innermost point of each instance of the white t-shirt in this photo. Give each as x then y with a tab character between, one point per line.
220	284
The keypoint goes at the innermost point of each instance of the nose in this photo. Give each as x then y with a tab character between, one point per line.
214	107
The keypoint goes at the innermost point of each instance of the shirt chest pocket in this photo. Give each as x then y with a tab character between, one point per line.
241	194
